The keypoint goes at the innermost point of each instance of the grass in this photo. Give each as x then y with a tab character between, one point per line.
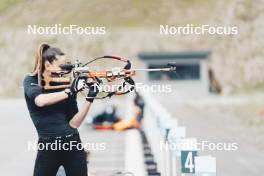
6	4
108	13
249	12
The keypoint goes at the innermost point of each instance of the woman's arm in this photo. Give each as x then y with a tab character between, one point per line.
53	98
50	98
78	118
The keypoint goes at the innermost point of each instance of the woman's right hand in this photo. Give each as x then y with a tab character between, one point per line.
78	84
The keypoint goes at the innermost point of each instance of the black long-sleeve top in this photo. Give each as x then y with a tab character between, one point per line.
53	120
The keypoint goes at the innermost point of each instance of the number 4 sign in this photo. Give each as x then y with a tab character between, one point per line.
187	161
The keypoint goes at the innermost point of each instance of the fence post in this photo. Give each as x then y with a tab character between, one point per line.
174	136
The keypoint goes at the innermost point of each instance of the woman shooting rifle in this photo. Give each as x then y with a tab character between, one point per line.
56	117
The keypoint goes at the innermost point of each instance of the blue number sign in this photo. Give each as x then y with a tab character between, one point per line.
187	161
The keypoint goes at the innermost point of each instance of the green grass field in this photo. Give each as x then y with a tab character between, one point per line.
126	13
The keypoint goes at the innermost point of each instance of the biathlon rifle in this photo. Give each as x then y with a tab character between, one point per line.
56	78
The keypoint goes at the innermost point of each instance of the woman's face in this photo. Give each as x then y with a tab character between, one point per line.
57	62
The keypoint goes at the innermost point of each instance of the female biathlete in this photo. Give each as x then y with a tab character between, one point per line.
56	118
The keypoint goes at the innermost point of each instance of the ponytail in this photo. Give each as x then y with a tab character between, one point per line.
38	67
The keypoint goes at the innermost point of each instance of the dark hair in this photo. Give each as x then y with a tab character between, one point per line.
50	54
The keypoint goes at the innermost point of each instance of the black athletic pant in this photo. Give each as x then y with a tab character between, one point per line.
49	160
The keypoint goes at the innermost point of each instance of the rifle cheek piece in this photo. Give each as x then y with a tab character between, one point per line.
55	80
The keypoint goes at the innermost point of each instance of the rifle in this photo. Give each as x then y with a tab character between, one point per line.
56	78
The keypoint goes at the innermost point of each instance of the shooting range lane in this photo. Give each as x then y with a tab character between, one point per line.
109	159
123	152
215	126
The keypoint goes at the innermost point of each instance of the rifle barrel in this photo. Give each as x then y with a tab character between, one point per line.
153	69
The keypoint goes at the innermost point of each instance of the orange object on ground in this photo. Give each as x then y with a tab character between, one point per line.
123	125
104	127
261	112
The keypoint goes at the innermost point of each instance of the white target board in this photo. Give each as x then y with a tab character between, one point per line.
205	166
